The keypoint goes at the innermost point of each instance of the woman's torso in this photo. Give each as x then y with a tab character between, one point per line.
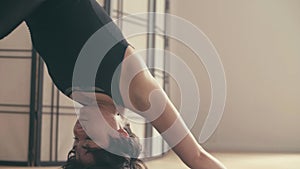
60	28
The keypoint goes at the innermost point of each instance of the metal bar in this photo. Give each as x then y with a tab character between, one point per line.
166	84
150	63
15	50
13	163
151	34
61	114
120	13
57	124
13	112
166	48
32	110
39	110
44	113
107	6
51	121
14	105
62	107
15	57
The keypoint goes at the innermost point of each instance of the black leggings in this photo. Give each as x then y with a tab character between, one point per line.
60	28
13	12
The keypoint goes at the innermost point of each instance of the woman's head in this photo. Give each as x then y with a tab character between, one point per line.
86	154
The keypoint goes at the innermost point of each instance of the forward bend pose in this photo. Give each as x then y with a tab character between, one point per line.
60	28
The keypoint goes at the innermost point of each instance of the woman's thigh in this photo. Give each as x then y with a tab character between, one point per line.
13	12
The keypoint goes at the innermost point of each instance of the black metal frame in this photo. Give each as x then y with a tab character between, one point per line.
18	163
32	120
107	6
39	106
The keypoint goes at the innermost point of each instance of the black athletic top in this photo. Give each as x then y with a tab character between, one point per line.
59	29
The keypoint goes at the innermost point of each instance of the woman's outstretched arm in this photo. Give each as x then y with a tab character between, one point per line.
147	98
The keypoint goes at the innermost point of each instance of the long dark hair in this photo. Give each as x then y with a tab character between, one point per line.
129	147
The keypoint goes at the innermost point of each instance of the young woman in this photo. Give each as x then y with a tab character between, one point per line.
59	30
86	154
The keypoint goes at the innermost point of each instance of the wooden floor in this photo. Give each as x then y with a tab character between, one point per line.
231	160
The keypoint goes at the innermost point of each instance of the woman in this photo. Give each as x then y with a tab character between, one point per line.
86	154
59	30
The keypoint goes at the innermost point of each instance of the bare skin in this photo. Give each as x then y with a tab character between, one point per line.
141	86
136	94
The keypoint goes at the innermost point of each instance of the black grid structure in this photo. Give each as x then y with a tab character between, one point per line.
16	108
47	109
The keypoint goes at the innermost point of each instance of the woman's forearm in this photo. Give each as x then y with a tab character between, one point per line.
183	143
195	156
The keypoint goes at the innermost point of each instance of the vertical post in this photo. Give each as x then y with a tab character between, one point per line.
39	110
35	110
151	33
166	48
107	6
166	84
150	62
57	125
120	13
32	113
51	122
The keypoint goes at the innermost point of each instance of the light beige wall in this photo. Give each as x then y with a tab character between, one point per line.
258	42
15	89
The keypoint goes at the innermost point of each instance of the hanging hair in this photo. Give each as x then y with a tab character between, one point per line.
129	147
